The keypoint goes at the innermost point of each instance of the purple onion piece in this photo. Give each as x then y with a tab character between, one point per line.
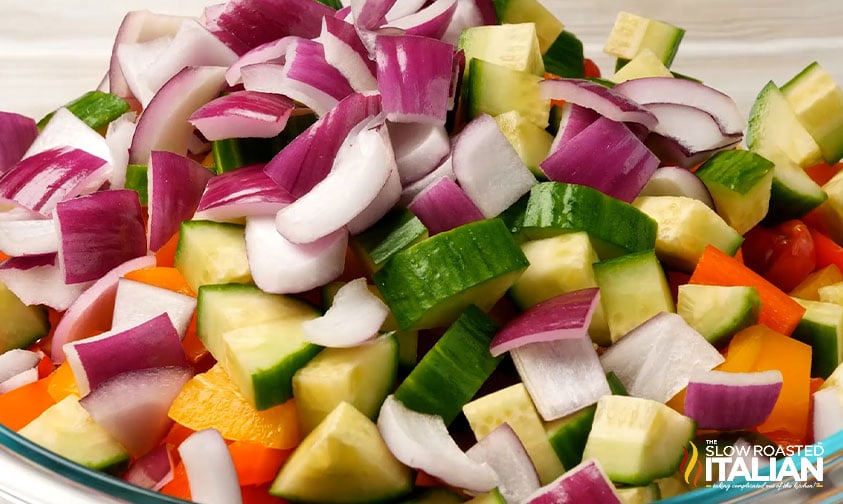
574	119
244	192
732	401
308	78
38	280
419	148
584	483
676	181
370	14
153	470
18	132
466	15
503	451
693	129
243	114
270	52
28	237
601	99
431	21
385	200
16	361
345	51
443	205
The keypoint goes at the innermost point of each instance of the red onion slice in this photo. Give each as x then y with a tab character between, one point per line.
19	380
731	401
419	148
152	344
414	77
431	21
244	192
566	316
308	78
176	184
657	359
16	361
360	171
346	52
153	470
574	119
282	267
243	114
488	168
99	232
354	317
695	130
163	125
18	132
309	157
137	302
602	100
443	205
370	14
210	471
422	441
675	181
118	136
38	280
466	15
93	308
586	482
386	199
503	451
65	130
607	156
263	77
445	169
270	52
132	406
40	182
28	237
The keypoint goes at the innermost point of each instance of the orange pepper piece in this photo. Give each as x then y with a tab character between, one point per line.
165	277
62	383
22	405
256	464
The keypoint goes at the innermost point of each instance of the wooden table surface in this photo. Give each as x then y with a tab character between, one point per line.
54	50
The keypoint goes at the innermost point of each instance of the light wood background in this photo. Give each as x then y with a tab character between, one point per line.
54	50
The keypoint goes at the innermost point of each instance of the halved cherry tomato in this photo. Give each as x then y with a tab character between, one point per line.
784	254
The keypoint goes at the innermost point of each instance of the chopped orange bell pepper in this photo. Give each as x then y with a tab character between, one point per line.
62	383
256	464
165	277
22	405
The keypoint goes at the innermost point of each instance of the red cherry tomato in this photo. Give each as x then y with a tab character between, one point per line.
591	69
783	254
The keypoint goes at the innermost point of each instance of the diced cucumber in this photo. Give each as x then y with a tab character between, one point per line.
226	307
637	440
614	227
831	293
512	405
740	183
672	486
632	33
138	181
493	496
432	282
548	26
639	494
773	126
822	328
94	108
685	226
793	193
212	253
452	372
568	435
644	64
361	376
638	276
22	325
831	210
345	461
531	142
514	46
435	495
232	153
67	429
395	231
718	312
818	102
565	57
494	89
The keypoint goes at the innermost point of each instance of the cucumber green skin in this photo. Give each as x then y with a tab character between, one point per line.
787	202
274	386
21	325
615	384
452	372
831	140
394	232
737	170
94	108
565	57
228	241
495	89
493	496
568	440
138	181
232	153
615	227
825	340
433	281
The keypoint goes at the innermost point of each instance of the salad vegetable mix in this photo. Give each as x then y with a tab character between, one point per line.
407	251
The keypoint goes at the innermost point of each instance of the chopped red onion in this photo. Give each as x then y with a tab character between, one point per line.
670	151
443	205
263	77
370	14
360	171
308	78
601	99
65	130
134	58
118	136
586	482
163	125
419	148
243	192
503	451
99	232
211	474
176	184
686	92
270	52
607	156
657	359
40	182
466	15
153	470
404	8
731	401
19	380
16	361
152	344
445	169
243	114
38	280
138	302
422	441
414	77
28	237
282	267
309	157
346	52
693	129
132	406
354	317
488	168
432	21
487	11
93	308
386	199
574	119
828	413
566	316
676	181
18	132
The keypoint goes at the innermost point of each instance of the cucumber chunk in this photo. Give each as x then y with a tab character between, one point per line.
67	429
514	46
632	33
137	180
718	312
494	89
548	26
431	283
637	440
773	126
831	210
818	102
644	64
395	231
212	253
361	376
22	325
568	435
493	496
344	461
531	142
435	495
639	494
94	108
822	328
565	57
614	227
452	372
